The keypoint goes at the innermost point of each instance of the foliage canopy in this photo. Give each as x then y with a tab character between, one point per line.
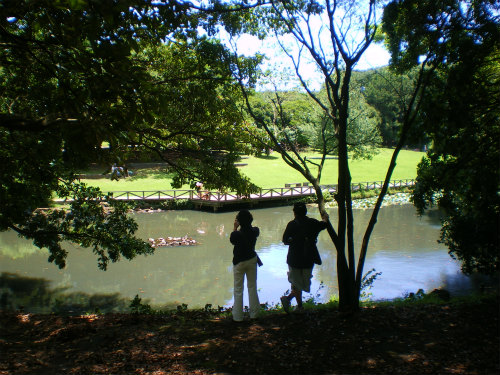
461	115
136	75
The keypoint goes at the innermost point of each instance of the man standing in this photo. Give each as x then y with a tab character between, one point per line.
301	235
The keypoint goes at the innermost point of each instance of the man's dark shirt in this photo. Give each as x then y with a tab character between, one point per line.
301	235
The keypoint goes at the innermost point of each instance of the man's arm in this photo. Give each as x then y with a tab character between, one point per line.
287	235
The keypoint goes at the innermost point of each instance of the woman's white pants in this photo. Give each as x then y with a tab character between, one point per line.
248	268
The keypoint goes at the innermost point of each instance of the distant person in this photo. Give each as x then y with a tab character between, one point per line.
301	235
198	186
118	171
245	262
115	172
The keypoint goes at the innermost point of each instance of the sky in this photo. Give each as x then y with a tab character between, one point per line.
375	56
317	26
349	23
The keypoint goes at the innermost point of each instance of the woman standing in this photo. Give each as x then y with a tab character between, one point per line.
245	261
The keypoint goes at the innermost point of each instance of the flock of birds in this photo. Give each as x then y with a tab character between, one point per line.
172	241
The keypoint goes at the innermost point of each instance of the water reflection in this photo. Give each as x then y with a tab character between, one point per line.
403	247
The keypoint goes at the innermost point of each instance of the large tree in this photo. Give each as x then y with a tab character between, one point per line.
135	74
461	114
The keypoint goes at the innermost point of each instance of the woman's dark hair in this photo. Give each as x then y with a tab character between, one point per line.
245	218
300	209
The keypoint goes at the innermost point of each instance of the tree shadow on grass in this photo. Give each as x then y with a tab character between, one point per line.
417	339
267	157
376	340
156	173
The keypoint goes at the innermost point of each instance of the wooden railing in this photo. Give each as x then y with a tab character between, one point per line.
290	190
159	194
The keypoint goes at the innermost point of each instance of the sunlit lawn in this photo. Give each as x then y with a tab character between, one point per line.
271	171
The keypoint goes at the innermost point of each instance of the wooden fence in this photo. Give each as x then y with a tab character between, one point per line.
290	190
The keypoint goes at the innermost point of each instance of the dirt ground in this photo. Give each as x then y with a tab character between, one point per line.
453	338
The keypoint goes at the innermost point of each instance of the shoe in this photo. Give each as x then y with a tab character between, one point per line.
285	302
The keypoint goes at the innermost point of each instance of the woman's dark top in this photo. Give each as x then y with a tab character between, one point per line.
301	235
244	243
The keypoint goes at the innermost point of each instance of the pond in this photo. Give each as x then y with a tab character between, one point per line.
403	248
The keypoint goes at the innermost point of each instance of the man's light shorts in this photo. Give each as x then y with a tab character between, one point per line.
300	278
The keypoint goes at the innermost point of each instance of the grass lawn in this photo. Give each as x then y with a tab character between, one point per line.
271	172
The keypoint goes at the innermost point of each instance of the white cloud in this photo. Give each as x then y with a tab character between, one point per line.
374	57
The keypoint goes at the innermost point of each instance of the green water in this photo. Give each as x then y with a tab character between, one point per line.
403	247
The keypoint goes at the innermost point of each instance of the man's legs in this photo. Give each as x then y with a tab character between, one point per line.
297	293
300	279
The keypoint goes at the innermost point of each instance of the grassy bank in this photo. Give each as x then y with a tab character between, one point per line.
271	172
